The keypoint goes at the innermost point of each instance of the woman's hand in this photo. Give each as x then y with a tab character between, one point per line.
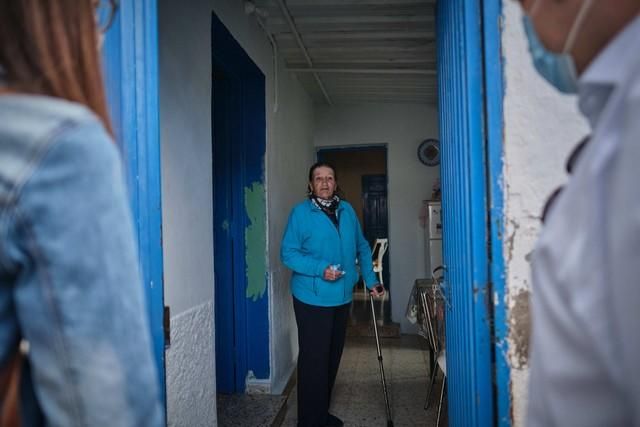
377	290
331	274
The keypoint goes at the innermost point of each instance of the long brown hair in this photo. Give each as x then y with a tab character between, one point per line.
50	47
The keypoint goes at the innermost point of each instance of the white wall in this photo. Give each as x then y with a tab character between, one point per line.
185	117
540	129
187	209
288	160
402	127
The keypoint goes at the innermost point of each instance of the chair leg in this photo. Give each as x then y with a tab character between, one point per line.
432	381
444	382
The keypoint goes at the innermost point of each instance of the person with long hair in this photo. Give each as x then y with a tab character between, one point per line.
321	244
75	346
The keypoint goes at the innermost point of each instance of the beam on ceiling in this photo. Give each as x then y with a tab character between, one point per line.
317	70
348	49
386	63
352	43
386	100
363	3
423	34
356	10
318	27
354	20
296	33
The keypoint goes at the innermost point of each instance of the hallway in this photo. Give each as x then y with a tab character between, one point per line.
324	75
358	398
403	75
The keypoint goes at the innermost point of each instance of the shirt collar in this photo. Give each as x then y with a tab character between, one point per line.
315	207
608	70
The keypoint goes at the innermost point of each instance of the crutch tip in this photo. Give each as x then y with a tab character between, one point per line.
389	423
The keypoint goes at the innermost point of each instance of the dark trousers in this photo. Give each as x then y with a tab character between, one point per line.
321	333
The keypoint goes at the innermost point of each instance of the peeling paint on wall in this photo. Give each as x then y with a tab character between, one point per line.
255	240
540	127
519	328
512	226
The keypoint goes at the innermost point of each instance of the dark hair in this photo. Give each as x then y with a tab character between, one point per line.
51	48
317	165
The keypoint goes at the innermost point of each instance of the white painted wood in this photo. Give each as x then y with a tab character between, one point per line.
303	48
363	70
333	3
427	33
357	50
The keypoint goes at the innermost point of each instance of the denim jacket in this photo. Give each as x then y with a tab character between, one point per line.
311	243
69	279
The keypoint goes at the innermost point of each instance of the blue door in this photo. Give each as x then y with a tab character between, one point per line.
374	212
228	256
130	61
464	213
239	220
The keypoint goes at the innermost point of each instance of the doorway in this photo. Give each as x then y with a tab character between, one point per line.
362	181
239	215
135	123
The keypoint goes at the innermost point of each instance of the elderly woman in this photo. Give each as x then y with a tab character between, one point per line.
321	243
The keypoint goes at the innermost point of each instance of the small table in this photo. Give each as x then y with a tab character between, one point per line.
426	300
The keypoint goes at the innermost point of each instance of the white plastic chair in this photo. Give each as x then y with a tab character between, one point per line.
379	249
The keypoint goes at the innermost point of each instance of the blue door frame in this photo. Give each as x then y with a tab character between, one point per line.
241	300
470	108
130	58
494	122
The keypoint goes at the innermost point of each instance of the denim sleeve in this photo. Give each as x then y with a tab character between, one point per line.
292	253
79	297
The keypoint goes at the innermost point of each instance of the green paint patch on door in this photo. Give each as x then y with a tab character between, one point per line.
256	240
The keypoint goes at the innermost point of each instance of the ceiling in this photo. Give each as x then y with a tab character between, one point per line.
357	51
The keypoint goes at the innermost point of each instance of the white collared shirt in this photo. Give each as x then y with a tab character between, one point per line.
585	354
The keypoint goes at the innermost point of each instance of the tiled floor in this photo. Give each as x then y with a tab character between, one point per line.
243	410
358	398
360	324
361	309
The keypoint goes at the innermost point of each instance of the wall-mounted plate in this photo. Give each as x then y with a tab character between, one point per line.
429	152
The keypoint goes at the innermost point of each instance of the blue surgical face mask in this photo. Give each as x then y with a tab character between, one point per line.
559	69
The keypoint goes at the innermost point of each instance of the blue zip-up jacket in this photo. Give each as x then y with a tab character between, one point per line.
311	243
69	278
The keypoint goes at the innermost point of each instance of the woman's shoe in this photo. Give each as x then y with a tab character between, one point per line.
333	421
